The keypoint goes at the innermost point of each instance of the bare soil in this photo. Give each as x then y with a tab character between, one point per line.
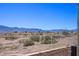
14	48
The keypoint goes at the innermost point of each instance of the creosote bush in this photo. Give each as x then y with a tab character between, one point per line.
28	42
56	37
35	38
48	40
66	33
10	38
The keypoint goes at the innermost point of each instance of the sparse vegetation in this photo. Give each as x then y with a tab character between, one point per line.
8	47
56	37
1	46
20	42
28	42
35	38
67	34
15	31
48	40
10	38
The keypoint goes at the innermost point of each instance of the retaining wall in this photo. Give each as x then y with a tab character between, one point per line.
63	51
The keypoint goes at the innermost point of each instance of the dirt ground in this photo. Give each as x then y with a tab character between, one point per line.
18	50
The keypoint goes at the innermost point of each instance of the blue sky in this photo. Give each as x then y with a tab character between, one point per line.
42	16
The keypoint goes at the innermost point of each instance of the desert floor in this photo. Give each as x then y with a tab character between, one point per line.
18	50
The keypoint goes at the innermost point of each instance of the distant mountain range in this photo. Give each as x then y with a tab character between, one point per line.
13	29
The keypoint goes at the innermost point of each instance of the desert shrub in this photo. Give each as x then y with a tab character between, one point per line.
35	38
10	38
57	32
66	33
28	42
1	46
21	41
11	47
15	31
56	37
8	47
48	40
40	33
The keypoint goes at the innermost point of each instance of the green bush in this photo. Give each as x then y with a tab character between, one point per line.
56	37
28	42
66	33
48	40
35	38
10	38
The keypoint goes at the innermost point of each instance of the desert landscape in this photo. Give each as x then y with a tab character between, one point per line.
24	43
30	28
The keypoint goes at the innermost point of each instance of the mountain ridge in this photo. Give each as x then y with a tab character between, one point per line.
21	29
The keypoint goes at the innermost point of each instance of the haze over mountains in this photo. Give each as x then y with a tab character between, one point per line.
13	29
